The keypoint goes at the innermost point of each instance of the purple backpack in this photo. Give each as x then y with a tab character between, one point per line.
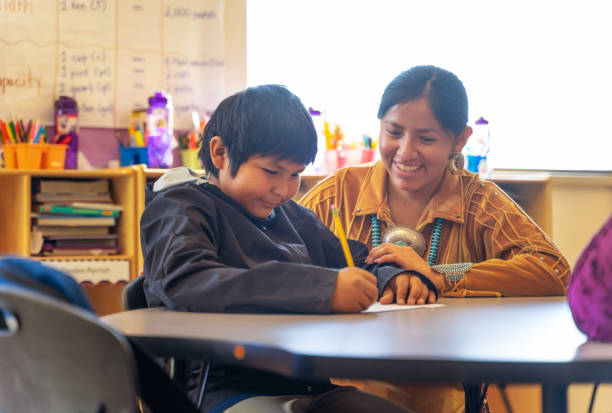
590	289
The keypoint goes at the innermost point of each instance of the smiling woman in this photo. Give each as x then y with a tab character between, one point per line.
480	243
415	148
542	82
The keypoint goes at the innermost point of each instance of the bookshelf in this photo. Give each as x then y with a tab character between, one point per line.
115	269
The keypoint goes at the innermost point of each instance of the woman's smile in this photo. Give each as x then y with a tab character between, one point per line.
407	168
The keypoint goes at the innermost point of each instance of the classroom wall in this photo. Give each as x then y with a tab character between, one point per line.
235	46
99	146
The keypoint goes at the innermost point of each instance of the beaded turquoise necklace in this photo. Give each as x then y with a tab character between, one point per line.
435	237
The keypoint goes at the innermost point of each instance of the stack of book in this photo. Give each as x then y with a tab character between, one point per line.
73	218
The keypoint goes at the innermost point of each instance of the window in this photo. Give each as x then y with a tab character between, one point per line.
539	71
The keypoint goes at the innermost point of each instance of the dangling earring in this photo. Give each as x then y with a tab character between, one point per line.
456	162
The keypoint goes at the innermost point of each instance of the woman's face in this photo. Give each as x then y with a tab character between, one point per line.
414	147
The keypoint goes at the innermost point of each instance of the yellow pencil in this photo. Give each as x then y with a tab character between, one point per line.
345	247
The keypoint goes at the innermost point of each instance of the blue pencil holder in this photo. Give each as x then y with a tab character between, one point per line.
133	155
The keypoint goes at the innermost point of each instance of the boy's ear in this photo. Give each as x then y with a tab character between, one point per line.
218	153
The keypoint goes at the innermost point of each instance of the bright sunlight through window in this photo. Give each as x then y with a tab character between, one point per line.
539	71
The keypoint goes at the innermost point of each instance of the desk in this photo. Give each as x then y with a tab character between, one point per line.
509	340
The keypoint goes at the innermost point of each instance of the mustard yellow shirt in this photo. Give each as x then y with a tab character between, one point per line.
512	256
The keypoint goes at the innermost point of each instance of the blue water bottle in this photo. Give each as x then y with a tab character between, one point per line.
477	147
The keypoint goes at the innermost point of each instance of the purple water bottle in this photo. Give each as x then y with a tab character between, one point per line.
67	128
159	132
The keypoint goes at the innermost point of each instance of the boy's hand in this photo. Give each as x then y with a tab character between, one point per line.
355	290
407	289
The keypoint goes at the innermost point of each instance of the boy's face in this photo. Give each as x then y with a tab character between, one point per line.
261	183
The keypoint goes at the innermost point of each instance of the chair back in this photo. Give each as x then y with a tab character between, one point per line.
133	296
56	357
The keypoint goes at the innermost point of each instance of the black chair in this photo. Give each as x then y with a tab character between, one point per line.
57	357
133	296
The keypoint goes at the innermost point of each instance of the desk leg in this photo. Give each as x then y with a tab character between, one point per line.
554	398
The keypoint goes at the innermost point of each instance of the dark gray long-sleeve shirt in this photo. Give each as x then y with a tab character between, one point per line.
203	252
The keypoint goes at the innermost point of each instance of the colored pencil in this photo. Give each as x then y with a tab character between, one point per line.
342	236
5	136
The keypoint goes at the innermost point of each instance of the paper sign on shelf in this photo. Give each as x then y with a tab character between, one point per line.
95	271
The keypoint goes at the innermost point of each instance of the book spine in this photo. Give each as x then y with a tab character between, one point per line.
61	209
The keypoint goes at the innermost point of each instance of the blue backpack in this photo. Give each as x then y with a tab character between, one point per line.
35	276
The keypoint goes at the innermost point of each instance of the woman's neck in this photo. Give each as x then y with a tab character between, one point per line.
406	207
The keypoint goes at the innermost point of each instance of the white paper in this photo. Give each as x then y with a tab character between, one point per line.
377	307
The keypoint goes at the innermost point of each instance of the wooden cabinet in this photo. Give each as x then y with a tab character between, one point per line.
569	206
115	270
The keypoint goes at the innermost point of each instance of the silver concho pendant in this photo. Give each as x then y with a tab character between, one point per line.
403	235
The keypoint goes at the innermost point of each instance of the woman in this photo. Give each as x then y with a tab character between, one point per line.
477	241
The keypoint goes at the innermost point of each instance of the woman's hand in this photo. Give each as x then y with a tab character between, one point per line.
404	257
407	289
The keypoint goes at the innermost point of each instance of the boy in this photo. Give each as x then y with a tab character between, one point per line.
235	242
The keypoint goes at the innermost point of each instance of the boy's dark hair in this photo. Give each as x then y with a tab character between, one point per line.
262	120
444	91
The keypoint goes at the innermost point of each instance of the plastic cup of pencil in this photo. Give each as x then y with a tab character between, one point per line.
29	155
133	155
190	158
367	155
53	156
10	156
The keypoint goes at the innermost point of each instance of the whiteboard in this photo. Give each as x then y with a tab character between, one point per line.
110	55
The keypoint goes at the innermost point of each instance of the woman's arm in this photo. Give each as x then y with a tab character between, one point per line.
511	255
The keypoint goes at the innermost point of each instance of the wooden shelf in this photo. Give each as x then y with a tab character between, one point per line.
15	217
83	258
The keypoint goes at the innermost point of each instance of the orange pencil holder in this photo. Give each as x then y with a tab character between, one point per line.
34	155
10	156
29	155
53	156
